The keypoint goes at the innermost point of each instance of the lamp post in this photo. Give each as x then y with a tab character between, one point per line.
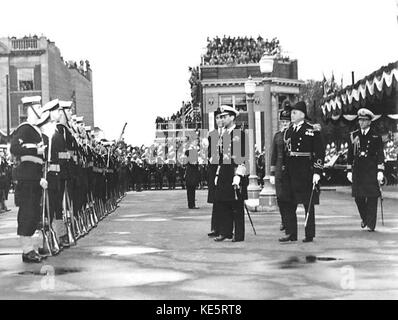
253	188
267	194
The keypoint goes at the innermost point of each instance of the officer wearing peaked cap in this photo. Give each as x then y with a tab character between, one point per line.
304	164
231	180
365	168
278	175
28	147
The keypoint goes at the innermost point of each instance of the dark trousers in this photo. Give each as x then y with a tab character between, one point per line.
284	208
28	196
55	194
215	224
232	219
191	196
367	207
291	219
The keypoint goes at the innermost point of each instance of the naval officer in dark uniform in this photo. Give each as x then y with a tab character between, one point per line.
365	168
304	163
192	174
231	180
28	147
278	174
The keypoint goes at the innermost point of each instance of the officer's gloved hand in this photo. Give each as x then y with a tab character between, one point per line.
236	181
43	183
41	150
349	176
272	179
380	177
215	181
315	178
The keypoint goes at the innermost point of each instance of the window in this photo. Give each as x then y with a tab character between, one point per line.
25	79
238	101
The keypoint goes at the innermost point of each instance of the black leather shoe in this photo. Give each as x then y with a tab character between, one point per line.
288	238
371	230
31	257
194	208
221	238
64	242
363	224
213	234
308	240
237	240
43	253
282	227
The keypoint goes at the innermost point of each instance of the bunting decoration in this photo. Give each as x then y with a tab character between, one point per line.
381	84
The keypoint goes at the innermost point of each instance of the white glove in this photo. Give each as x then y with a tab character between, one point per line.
236	181
43	183
315	178
272	179
40	150
215	181
380	176
349	176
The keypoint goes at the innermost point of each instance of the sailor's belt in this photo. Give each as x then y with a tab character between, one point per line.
32	159
54	168
30	145
108	170
64	155
299	154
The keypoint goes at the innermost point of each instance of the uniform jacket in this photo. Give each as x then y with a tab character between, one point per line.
305	156
192	174
232	154
365	159
278	167
25	142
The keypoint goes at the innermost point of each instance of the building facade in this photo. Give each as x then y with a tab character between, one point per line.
224	85
33	66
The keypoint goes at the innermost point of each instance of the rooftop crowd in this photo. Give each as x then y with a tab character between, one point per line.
83	66
240	50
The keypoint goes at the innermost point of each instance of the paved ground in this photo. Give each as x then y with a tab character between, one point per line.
152	247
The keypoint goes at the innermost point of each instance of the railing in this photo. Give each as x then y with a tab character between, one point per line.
24	44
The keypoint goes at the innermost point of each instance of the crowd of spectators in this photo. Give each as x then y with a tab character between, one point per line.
240	50
83	66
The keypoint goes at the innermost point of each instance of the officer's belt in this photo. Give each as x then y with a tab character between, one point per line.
299	154
32	159
64	155
30	145
54	168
